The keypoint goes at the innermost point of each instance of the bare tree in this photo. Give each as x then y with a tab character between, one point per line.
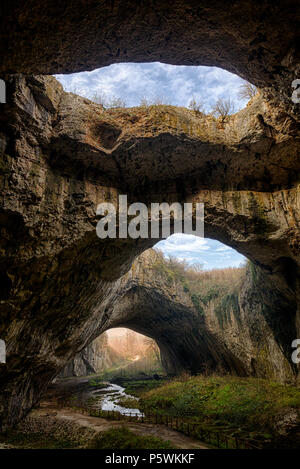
196	106
223	108
112	102
99	99
145	101
115	102
161	101
247	91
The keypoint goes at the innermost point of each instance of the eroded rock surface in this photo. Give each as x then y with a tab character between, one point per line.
61	155
256	40
94	358
242	339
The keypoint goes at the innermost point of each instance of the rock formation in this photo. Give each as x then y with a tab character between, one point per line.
93	359
243	342
256	40
61	155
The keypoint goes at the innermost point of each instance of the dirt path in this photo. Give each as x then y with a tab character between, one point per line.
100	425
79	386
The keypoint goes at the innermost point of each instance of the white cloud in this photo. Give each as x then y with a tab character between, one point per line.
177	84
223	248
180	242
210	253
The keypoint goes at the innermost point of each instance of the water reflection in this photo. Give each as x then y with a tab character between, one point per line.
107	399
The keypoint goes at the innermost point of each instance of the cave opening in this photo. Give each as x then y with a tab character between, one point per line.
203	253
133	353
251	191
127	85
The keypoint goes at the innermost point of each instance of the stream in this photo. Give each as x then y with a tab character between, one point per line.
107	398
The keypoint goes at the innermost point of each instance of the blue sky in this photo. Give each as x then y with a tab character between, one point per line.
209	253
175	85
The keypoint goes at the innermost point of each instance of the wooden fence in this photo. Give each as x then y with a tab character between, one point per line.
196	430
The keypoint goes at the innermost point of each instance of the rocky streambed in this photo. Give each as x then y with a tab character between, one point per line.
108	399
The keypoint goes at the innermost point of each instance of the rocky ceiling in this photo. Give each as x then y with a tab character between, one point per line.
62	154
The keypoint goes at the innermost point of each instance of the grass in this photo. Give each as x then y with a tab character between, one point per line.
34	441
97	383
138	387
123	438
127	402
116	438
246	406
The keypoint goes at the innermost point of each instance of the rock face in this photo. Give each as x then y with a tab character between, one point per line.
93	359
61	285
256	40
61	155
243	341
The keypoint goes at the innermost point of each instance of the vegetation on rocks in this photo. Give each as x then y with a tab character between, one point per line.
243	406
218	285
123	438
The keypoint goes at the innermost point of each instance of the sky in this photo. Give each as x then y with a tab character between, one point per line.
176	85
210	254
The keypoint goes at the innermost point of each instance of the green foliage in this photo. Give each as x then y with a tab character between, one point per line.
35	441
127	402
123	438
252	268
258	214
97	382
223	309
196	302
137	387
243	405
220	286
212	294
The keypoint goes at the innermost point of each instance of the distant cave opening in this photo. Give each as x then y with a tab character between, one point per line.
133	353
117	352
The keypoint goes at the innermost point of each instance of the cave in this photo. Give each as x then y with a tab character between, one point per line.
60	157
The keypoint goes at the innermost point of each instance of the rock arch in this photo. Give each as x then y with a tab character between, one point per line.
56	165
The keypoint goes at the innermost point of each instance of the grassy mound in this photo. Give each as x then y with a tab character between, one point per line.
249	406
123	438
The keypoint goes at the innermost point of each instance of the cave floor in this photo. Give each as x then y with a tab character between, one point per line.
96	424
52	420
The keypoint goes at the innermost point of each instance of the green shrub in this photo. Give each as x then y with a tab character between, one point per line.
123	438
243	404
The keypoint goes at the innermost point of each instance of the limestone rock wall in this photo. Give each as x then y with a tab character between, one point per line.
93	359
61	286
